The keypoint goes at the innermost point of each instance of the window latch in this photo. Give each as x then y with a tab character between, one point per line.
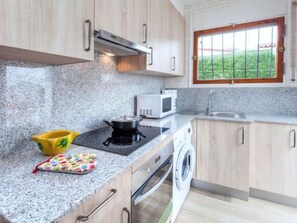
281	49
194	57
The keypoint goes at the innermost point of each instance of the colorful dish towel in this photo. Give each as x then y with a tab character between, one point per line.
76	164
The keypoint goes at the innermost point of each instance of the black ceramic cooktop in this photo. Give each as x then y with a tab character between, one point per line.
120	142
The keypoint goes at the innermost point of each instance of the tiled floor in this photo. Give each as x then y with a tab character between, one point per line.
204	207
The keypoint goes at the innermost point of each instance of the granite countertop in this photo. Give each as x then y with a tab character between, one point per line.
48	197
277	119
250	117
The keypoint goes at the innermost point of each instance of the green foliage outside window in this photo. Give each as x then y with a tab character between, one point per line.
266	66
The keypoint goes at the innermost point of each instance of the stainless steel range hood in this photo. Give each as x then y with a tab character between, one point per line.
110	44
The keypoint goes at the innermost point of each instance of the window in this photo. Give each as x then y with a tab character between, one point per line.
240	53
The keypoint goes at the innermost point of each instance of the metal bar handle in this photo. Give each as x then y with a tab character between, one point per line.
152	56
100	206
294	138
242	135
89	34
152	190
128	213
173	63
144	26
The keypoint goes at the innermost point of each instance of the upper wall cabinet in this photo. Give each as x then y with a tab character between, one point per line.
178	25
124	18
165	38
47	31
159	35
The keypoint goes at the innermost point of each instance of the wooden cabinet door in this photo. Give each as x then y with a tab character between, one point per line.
53	27
167	45
177	43
274	158
223	153
124	18
159	35
113	210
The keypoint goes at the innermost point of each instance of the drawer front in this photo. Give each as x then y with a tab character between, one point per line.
110	201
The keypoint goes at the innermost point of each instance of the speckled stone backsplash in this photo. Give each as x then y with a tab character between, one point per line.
282	101
38	98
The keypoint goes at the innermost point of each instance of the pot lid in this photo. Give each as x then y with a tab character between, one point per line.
126	118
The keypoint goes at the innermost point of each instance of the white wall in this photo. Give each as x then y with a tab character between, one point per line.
240	12
215	13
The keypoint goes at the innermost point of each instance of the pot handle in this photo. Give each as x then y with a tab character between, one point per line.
107	142
107	122
142	117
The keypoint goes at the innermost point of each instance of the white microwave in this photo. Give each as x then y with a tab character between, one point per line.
156	105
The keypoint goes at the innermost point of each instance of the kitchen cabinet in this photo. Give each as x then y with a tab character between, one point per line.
223	153
47	31
178	25
274	158
194	141
165	38
159	35
114	200
124	18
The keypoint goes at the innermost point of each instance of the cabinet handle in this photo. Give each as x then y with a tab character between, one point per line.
100	206
89	34
294	138
144	27
173	58
152	56
129	214
242	135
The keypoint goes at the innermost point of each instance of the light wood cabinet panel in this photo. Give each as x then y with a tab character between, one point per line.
274	159
159	35
161	18
37	31
194	140
223	153
124	18
113	211
177	43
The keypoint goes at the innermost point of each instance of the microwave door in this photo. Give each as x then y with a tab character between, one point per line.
166	105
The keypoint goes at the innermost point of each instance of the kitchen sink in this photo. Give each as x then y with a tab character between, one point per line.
236	115
228	115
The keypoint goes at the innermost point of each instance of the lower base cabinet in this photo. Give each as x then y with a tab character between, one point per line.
110	205
274	158
223	153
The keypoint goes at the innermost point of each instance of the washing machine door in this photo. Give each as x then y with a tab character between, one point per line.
185	166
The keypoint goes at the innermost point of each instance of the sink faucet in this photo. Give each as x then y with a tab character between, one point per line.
209	104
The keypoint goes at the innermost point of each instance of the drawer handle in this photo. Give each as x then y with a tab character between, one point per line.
100	206
129	214
152	56
144	26
294	138
173	58
242	135
89	34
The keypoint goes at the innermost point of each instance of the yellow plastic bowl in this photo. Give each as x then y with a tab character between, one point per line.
54	142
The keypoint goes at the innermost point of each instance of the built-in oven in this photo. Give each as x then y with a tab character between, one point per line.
152	188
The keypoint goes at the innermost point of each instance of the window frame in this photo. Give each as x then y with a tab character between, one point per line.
280	22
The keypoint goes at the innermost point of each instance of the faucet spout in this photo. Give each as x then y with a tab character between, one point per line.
209	103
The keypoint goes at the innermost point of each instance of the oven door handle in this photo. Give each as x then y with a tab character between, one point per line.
155	187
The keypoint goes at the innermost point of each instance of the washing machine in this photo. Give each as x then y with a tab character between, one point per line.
183	167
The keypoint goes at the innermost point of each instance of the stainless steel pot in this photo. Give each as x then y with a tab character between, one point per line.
125	122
